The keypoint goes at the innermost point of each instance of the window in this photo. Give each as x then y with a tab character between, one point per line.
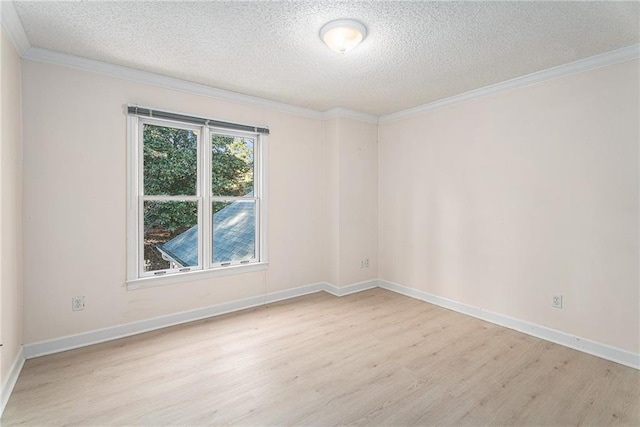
196	198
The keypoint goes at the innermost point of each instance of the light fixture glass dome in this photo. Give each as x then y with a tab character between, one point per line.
343	35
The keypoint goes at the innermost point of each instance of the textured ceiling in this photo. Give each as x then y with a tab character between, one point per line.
415	52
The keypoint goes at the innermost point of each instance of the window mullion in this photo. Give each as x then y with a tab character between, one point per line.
262	195
199	184
140	196
231	198
205	176
257	192
171	198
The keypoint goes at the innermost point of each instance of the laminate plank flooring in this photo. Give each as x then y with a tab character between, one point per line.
371	358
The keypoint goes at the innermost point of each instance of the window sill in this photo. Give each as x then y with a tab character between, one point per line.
149	282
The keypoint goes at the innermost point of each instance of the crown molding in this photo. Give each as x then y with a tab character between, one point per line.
597	61
339	112
145	77
126	73
13	26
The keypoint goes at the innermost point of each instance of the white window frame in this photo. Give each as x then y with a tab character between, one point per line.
136	276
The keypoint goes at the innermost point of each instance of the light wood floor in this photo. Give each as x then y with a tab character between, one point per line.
372	358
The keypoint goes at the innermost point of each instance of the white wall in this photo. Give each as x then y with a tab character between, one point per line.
331	197
502	202
351	165
74	203
11	310
498	202
358	200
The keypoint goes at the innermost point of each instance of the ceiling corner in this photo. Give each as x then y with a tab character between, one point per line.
616	56
349	114
13	26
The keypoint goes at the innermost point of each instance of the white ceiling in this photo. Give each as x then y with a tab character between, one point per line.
415	52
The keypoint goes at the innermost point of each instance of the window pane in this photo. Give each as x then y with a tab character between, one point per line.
170	161
232	165
170	235
234	231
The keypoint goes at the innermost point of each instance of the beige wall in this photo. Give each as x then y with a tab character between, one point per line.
498	202
331	197
358	200
351	165
10	208
322	214
74	201
502	202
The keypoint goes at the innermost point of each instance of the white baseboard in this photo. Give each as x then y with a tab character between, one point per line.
341	291
10	383
604	351
70	342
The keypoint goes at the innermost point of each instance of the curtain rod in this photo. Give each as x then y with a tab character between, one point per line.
147	112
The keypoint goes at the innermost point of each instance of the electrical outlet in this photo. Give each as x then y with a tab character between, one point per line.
556	301
77	303
364	263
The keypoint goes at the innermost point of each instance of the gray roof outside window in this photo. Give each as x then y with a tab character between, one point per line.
233	237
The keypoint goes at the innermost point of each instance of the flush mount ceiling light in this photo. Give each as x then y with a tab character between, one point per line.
343	35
